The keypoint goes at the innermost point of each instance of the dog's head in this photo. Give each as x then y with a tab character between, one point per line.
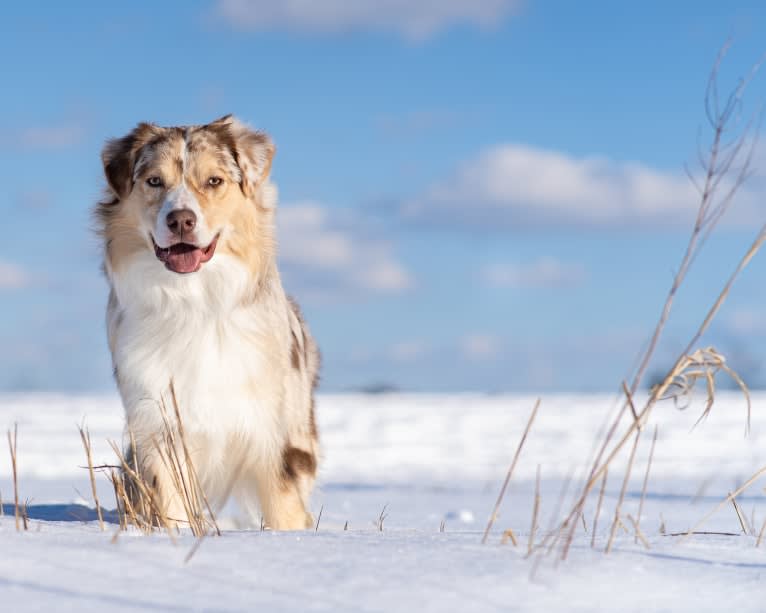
185	194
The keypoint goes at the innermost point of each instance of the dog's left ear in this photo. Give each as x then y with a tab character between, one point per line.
253	152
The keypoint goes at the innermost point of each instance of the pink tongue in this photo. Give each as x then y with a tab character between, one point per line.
187	261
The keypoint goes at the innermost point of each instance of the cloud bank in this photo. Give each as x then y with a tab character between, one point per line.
543	272
519	186
12	276
411	20
329	257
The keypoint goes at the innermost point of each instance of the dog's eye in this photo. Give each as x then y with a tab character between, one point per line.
214	181
154	182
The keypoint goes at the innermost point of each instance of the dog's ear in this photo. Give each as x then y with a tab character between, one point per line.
252	149
119	157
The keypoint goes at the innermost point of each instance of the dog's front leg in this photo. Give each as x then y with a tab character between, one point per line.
282	497
159	498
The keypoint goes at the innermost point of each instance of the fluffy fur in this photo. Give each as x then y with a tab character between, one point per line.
240	357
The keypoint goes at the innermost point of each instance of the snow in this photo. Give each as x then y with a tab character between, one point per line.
426	461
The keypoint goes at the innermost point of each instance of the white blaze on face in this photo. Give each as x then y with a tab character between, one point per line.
176	199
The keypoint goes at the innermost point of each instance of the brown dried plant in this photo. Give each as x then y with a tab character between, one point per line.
725	167
137	499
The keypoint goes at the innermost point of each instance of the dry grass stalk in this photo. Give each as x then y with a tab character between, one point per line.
121	519
12	444
625	480
25	514
319	518
631	404
186	485
598	508
740	517
188	457
702	364
579	506
552	536
535	512
138	501
705	533
85	437
757	475
760	534
493	517
143	492
382	517
639	534
508	535
716	195
646	481
621	524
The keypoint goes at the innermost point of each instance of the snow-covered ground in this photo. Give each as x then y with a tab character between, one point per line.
432	462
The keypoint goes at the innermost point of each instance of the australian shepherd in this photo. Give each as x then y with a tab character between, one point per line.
197	303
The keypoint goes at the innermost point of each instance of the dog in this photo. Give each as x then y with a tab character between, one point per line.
196	308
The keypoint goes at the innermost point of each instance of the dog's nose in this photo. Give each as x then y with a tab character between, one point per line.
181	221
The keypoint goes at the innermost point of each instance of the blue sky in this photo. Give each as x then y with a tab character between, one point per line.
474	195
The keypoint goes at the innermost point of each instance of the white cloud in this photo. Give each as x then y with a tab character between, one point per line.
12	276
477	347
52	137
543	272
408	351
747	322
412	20
515	185
323	252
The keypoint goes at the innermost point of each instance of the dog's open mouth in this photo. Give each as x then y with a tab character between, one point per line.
183	257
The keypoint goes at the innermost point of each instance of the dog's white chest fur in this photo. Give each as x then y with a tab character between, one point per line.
190	333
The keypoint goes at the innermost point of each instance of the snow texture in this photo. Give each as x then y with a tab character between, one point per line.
429	463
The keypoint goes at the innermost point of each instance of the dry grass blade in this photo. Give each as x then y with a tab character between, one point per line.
121	519
631	404
760	534
145	492
189	459
382	517
757	475
25	514
85	437
704	533
535	512
639	534
508	535
598	508
703	364
552	535
740	517
508	476
646	482
625	481
319	518
12	444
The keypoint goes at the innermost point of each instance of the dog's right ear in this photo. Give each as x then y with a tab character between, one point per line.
119	157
